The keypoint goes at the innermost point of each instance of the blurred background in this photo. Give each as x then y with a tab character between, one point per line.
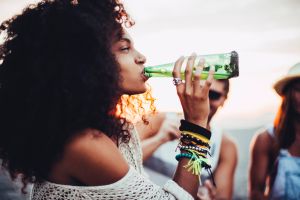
265	33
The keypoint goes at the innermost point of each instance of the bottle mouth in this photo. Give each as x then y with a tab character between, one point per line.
148	75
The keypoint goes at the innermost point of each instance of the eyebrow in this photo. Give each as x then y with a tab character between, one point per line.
126	40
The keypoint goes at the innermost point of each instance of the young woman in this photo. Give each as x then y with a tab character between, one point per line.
275	152
64	68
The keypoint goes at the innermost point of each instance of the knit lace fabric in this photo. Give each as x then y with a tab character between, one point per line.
134	185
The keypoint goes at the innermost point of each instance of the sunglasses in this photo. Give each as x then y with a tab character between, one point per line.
214	95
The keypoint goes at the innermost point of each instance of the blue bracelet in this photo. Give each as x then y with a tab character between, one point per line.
183	155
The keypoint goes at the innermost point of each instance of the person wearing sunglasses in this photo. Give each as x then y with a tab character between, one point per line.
223	149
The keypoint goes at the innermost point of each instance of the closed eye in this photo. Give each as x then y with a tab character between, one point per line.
125	49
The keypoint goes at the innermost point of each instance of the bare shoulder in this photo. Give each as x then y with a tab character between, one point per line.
228	146
226	140
93	158
228	149
262	141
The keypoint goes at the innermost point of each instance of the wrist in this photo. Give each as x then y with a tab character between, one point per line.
202	123
160	139
194	128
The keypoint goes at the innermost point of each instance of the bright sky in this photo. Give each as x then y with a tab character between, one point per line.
266	34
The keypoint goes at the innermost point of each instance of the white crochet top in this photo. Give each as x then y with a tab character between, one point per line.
134	185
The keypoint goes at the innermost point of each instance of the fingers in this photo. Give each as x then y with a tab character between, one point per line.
197	76
211	189
208	82
175	132
189	73
172	129
176	72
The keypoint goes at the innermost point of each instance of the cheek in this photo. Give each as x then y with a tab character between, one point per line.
216	104
213	105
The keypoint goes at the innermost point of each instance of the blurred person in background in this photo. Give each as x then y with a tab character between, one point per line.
275	151
224	155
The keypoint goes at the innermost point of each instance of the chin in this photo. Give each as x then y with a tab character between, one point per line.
136	91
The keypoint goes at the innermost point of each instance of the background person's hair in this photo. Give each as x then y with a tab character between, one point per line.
285	119
58	77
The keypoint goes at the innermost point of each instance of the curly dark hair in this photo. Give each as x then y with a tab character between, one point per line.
58	77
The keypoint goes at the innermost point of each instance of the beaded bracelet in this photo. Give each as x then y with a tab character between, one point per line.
200	151
183	155
186	142
191	147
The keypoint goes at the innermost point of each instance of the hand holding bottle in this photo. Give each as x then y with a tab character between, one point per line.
193	96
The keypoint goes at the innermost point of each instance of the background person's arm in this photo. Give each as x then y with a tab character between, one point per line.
224	173
260	151
148	130
161	129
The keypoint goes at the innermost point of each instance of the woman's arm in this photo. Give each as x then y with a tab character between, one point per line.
93	159
195	104
260	151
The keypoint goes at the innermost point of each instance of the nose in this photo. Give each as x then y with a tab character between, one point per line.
140	58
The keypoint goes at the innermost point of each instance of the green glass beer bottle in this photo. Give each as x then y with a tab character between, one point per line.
225	66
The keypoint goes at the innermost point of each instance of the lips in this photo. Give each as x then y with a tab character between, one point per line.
145	78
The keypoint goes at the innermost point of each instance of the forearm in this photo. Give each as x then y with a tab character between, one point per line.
186	179
150	145
224	192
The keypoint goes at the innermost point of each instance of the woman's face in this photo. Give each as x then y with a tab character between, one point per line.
132	66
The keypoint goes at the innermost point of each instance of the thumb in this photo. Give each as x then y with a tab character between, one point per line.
211	189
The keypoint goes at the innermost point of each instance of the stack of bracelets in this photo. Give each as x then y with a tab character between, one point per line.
194	142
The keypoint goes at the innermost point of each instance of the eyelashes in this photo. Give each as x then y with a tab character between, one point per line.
126	49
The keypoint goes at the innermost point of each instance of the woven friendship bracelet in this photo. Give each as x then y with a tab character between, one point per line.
195	135
187	142
188	126
199	154
188	139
